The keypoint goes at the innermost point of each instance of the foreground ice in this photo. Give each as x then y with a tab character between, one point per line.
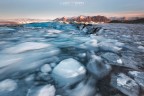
97	68
84	88
46	68
7	85
27	46
68	71
113	59
59	59
46	90
17	64
138	77
125	84
6	29
53	31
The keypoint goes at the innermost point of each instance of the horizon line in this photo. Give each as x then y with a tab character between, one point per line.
128	15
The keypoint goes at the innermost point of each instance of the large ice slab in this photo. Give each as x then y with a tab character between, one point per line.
85	88
68	71
125	84
27	46
46	90
138	77
97	67
18	64
7	85
53	31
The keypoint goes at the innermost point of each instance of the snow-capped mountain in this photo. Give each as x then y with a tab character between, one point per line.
81	18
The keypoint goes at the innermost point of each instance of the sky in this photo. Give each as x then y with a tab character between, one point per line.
50	9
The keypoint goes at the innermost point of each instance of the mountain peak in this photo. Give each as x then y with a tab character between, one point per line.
82	18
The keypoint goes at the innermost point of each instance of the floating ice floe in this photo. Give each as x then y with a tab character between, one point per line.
43	77
30	78
130	62
46	68
125	84
109	47
68	71
90	45
138	77
27	46
141	48
97	68
8	85
98	38
3	29
82	55
84	88
46	90
9	59
101	31
18	64
112	58
53	31
53	65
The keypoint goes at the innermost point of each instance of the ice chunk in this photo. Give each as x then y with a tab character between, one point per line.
109	47
97	68
53	31
119	61
90	45
98	38
92	42
3	29
43	77
81	39
138	77
30	78
112	58
85	30
8	85
129	61
82	55
27	46
68	71
47	90
141	48
101	31
52	65
114	42
125	84
46	68
25	62
8	60
84	88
